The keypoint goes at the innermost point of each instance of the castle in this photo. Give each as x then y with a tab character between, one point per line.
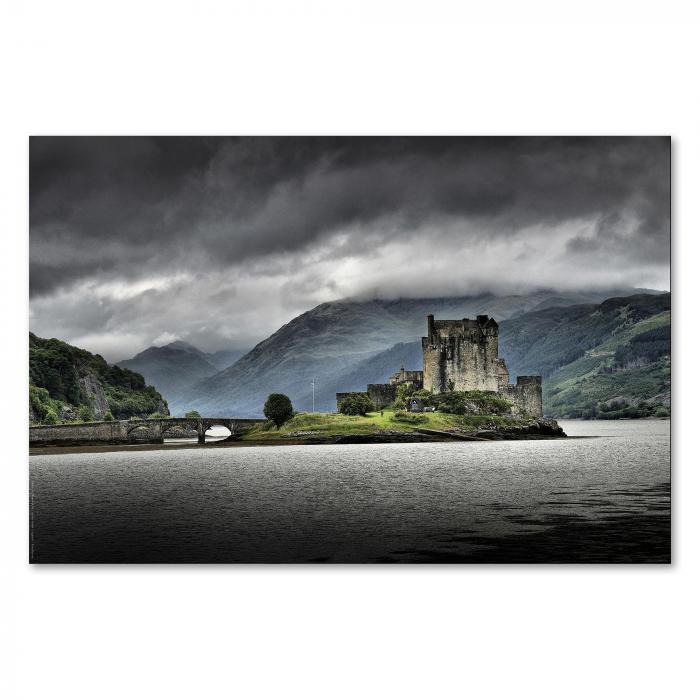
461	356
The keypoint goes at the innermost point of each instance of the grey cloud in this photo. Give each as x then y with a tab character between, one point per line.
128	204
311	215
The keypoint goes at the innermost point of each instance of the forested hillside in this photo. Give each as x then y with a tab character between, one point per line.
68	383
609	360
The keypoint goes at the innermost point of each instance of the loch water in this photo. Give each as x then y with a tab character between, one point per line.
600	496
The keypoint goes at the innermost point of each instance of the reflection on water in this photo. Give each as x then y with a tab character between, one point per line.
601	496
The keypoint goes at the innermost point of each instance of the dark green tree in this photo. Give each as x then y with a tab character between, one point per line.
278	408
356	405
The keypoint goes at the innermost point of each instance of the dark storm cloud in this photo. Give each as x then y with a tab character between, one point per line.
123	205
221	240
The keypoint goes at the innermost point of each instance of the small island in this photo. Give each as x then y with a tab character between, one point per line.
392	425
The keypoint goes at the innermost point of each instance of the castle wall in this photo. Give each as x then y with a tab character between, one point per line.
382	394
108	432
526	394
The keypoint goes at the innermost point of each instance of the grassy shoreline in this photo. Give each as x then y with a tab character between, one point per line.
309	426
334	428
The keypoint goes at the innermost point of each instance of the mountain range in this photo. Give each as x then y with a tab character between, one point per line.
606	357
345	344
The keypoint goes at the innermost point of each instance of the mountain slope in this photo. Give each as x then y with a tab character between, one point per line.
616	353
540	342
221	359
627	376
332	339
66	382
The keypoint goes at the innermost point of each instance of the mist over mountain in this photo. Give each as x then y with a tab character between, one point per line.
333	342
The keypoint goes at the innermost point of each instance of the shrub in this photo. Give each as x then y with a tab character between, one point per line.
356	405
193	414
474	402
156	414
50	418
108	416
452	402
278	408
85	414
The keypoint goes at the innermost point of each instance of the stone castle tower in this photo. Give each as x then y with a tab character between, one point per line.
463	355
464	352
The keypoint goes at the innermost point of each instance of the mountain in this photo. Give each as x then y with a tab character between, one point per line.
334	339
597	360
66	383
174	367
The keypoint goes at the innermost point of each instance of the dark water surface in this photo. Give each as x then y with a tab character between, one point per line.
601	497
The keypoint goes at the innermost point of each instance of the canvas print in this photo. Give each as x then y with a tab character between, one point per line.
353	350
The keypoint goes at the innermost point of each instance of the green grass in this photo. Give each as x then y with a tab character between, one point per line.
323	424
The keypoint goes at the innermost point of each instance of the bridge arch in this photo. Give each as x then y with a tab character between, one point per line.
217	430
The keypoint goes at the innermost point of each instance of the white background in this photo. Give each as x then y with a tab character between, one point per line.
349	68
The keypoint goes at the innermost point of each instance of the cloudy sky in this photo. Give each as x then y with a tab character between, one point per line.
219	241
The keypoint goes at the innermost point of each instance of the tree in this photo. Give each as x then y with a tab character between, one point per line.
192	414
356	405
108	416
278	409
85	414
156	414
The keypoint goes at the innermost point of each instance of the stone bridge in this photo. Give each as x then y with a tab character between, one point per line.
142	430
